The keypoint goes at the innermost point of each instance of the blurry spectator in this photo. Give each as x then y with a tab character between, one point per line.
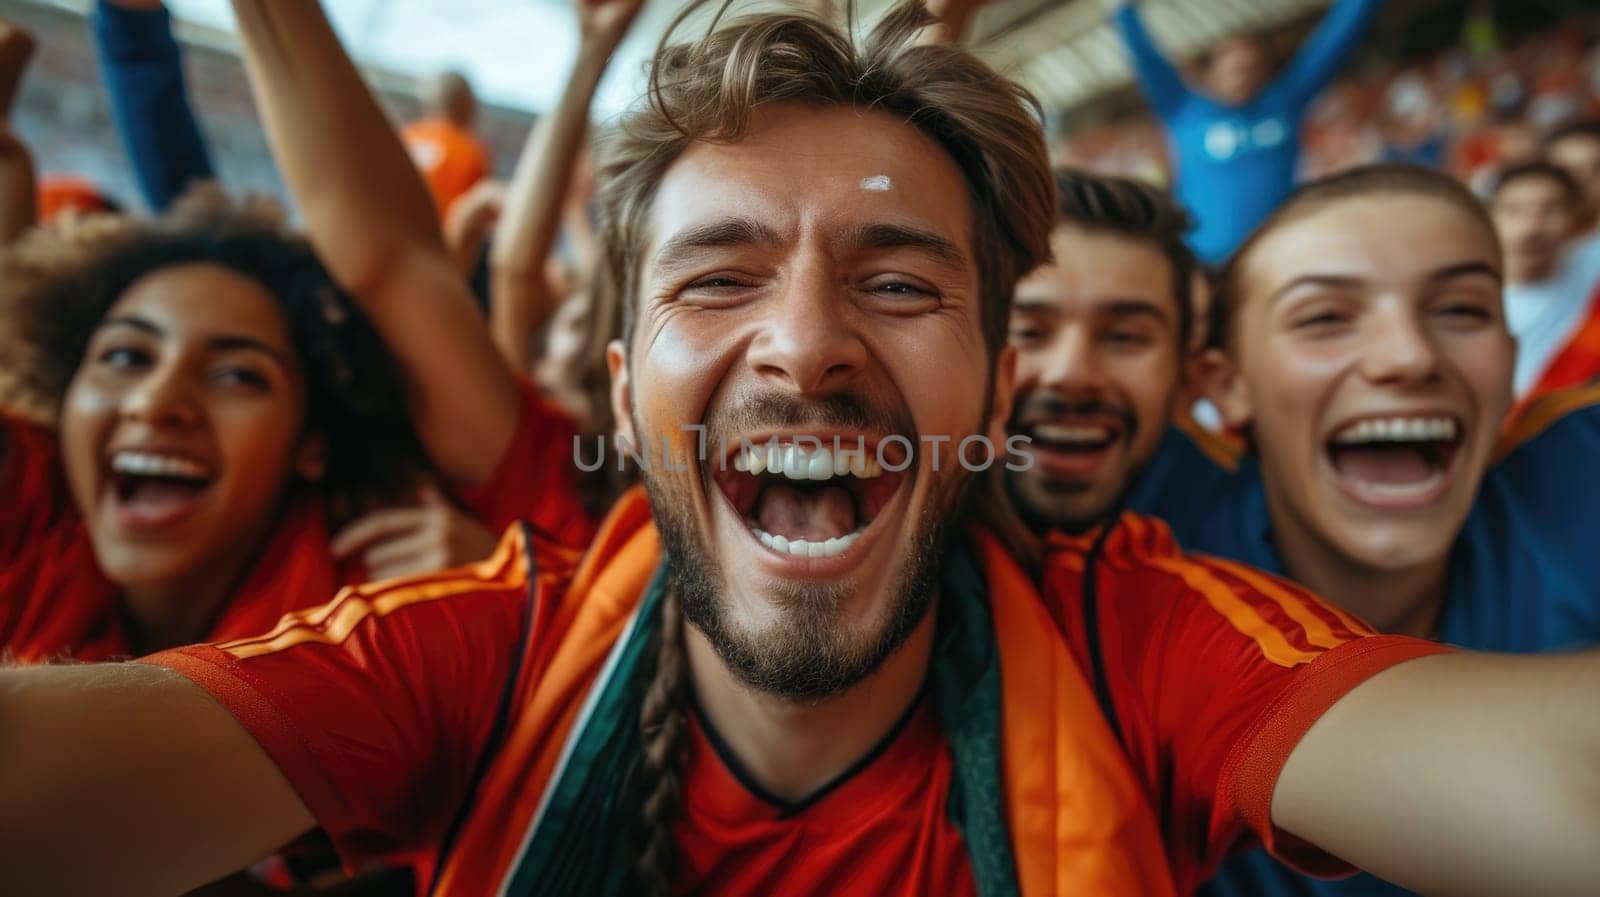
1550	289
143	71
1236	141
1411	123
61	195
443	143
1575	147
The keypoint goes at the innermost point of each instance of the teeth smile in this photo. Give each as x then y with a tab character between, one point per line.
1398	429
802	548
147	464
1071	435
797	462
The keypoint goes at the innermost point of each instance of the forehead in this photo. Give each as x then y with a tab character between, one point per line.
203	299
802	169
1531	189
1576	146
1094	267
1388	239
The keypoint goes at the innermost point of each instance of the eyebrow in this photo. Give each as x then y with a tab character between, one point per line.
728	232
713	235
900	236
225	342
1131	307
1123	307
1466	269
1447	272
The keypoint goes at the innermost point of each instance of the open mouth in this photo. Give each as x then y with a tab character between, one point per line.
1396	461
1075	438
152	489
806	501
1072	449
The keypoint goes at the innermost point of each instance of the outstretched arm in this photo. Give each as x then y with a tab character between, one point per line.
129	779
1162	84
520	300
1327	49
372	222
143	71
1458	774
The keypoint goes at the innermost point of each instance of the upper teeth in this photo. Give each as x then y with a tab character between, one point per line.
145	464
1057	433
1399	429
799	462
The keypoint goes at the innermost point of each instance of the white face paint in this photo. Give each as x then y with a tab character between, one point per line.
878	183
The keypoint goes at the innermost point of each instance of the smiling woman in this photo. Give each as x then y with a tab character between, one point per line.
207	384
1366	353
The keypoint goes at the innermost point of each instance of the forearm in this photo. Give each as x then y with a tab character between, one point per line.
128	779
1458	774
1328	48
1158	78
18	195
365	205
143	71
520	300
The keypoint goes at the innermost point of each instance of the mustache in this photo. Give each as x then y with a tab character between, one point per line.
1040	408
777	410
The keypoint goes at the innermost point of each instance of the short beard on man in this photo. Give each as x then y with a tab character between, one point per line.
806	657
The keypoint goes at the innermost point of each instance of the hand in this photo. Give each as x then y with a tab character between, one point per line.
470	219
604	23
953	17
403	541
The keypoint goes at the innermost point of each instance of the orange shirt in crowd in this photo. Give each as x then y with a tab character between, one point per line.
450	158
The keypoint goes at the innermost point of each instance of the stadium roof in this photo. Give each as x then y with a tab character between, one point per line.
517	52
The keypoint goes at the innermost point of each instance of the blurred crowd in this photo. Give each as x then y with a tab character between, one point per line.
1298	330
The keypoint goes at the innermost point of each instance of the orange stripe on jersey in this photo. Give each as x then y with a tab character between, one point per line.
1542	413
1244	617
1217	448
332	623
1301	608
488	570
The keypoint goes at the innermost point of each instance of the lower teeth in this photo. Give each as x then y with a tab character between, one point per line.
804	548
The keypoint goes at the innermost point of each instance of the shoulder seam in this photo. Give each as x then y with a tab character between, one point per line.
332	623
1543	414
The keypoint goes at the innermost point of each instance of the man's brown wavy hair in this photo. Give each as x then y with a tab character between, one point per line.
707	90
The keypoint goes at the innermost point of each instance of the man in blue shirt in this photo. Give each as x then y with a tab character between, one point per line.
1236	141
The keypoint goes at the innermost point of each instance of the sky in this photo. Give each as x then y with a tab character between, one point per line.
515	52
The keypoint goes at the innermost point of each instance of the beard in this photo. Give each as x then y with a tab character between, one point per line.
807	655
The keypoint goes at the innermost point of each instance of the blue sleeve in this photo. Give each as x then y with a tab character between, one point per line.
1163	86
143	71
1555	477
1326	50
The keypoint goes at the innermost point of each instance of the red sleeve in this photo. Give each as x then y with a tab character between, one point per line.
36	493
537	478
1216	671
377	706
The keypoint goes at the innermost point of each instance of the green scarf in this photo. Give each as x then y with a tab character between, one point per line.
587	839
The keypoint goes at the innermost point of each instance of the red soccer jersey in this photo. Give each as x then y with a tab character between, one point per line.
379	707
880	830
55	602
537	478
